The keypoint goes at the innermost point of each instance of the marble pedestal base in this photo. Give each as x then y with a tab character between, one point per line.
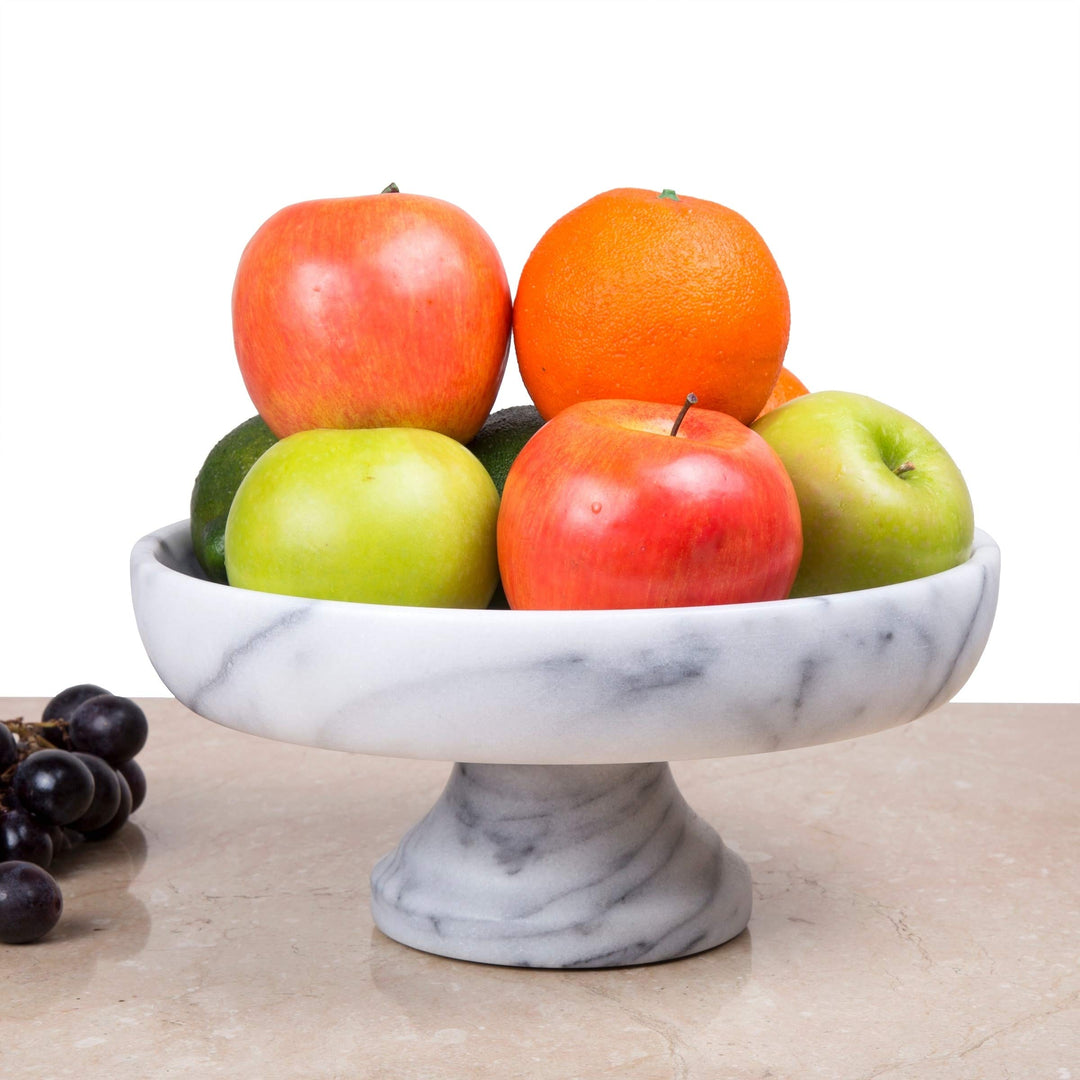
561	866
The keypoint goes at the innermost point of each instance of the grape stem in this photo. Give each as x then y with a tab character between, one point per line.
30	733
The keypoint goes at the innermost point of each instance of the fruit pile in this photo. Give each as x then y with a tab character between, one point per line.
70	777
669	458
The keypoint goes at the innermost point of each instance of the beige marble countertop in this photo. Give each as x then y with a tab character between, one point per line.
916	917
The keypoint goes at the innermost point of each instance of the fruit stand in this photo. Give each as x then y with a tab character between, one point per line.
561	839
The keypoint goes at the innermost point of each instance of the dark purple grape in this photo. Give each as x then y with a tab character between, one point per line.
54	786
106	794
9	749
112	727
22	838
58	712
63	840
67	701
67	840
30	902
122	814
132	772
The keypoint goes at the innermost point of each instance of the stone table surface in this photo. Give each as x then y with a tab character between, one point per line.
916	917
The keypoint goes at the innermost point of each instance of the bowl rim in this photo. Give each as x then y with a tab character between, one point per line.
175	539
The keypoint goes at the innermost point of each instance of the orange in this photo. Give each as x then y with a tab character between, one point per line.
787	386
651	296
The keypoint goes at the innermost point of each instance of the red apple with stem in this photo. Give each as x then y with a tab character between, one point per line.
631	504
389	310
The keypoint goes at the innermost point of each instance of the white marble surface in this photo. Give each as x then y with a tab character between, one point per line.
561	839
539	687
561	866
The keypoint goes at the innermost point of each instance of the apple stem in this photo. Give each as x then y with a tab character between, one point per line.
907	467
691	399
390	189
667	193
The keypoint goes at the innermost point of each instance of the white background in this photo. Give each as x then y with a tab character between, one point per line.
913	166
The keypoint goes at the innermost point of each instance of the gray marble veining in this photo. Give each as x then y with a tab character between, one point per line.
558	687
563	842
561	866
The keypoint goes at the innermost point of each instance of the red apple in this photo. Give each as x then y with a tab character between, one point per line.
388	310
605	508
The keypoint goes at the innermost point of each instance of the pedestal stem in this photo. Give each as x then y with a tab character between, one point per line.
561	866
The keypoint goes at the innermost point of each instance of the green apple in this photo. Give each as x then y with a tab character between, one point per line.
376	515
881	500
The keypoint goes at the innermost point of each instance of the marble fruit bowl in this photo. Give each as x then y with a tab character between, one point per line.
561	839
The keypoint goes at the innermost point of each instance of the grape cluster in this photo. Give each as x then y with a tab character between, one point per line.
71	776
